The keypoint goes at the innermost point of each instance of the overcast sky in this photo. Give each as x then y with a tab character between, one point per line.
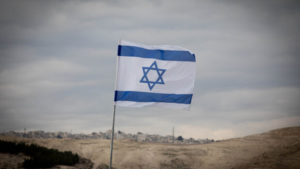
57	64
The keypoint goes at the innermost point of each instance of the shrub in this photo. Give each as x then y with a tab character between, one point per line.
40	157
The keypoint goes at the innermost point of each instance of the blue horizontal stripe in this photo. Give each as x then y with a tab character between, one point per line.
172	55
152	97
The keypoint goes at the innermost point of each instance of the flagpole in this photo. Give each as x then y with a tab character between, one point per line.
114	114
112	138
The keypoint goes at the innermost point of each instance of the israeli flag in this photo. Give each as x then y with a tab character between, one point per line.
154	76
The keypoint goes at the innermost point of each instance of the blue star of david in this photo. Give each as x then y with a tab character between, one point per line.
159	79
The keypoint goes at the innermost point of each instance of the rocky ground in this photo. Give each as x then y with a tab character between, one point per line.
277	149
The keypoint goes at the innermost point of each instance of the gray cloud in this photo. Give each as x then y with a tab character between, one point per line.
57	64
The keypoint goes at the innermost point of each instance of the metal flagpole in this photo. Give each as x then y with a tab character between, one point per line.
114	114
112	138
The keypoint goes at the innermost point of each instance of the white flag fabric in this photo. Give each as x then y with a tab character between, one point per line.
154	76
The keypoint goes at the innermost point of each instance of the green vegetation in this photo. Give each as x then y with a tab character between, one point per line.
40	157
180	138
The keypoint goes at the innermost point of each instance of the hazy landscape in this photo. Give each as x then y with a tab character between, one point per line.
61	72
277	149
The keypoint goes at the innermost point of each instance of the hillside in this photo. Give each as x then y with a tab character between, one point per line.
277	149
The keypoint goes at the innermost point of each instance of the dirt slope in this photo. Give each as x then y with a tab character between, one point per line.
277	149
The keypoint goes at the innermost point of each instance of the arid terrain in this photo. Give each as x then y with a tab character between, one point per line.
277	149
